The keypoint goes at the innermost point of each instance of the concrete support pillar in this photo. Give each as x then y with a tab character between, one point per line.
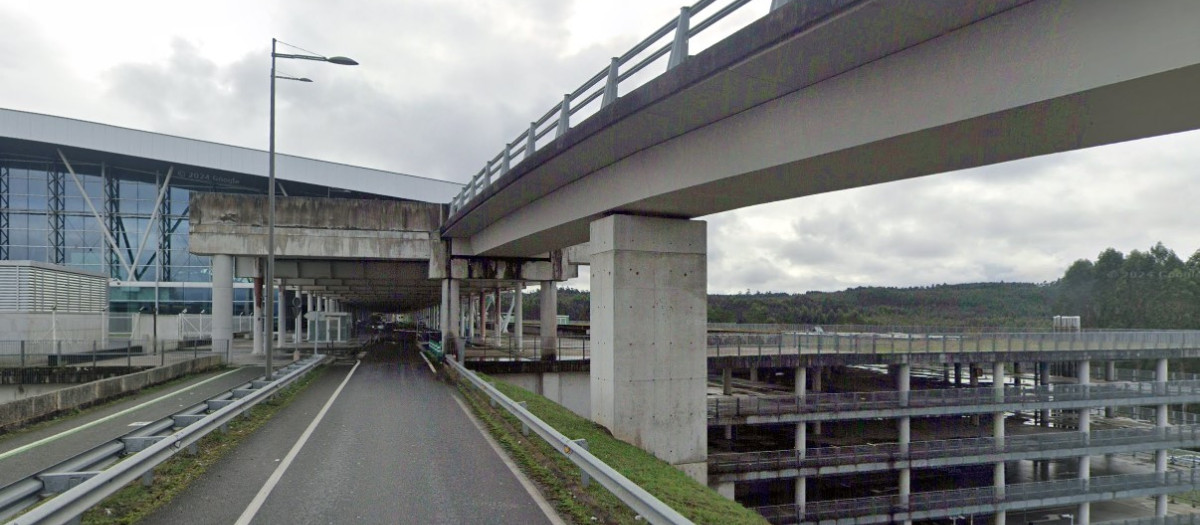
727	381
1162	420
998	471
649	312
801	384
818	388
519	314
451	326
1043	371
312	307
222	303
903	374
498	319
299	320
258	329
754	374
957	374
549	325
482	317
974	373
1110	375
727	489
1084	374
281	313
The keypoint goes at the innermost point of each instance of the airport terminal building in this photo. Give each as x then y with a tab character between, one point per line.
115	201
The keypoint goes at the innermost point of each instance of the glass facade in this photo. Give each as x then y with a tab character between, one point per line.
111	220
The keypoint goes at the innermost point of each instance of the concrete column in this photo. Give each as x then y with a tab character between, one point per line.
281	313
312	307
974	372
818	388
498	319
450	317
649	312
903	386
222	302
727	489
1162	420
998	472
1084	374
482	317
299	318
1110	375
549	325
801	383
754	374
1043	370
727	381
957	374
519	313
258	329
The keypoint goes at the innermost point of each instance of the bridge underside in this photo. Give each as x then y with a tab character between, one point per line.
1043	77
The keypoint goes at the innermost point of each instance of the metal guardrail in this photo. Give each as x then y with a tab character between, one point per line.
149	451
642	502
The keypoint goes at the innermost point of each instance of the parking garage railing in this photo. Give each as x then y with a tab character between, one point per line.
738	406
951	502
781	460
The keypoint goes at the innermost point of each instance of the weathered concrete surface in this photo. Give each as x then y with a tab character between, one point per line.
31	409
313	227
649	314
569	389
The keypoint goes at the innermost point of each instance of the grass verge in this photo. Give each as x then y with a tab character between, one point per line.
135	501
559	478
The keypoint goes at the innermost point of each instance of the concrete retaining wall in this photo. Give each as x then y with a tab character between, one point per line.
569	389
22	412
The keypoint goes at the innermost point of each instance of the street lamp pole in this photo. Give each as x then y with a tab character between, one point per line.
269	280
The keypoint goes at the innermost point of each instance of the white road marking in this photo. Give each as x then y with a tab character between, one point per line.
265	491
547	509
431	368
85	426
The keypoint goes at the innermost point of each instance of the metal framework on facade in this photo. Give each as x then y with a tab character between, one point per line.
4	225
54	214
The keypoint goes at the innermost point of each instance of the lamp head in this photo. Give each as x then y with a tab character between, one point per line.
342	61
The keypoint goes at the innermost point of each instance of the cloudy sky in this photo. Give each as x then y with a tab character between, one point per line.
445	83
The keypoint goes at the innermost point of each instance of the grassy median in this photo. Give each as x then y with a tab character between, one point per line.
559	478
135	501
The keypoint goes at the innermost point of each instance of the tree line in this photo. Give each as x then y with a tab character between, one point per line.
1144	289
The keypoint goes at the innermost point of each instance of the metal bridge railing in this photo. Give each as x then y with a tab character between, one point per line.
675	41
642	502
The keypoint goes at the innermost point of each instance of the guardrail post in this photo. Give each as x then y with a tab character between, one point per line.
583	477
148	478
679	48
610	85
524	427
564	116
531	140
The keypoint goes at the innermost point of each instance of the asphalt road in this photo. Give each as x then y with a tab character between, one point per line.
394	447
28	453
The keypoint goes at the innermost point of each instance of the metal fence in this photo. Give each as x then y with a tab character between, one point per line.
28	354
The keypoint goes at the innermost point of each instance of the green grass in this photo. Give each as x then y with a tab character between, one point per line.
560	478
135	502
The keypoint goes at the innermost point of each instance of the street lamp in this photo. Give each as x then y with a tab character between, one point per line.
269	295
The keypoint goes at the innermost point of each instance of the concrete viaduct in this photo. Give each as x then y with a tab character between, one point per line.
814	97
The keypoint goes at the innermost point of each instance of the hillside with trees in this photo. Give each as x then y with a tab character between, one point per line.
1144	289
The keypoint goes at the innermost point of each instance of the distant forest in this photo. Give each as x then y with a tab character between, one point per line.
1144	289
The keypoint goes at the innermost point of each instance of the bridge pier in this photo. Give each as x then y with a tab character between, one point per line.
549	325
451	319
649	313
222	302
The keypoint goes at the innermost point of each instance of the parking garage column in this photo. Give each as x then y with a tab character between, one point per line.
801	438
549	324
648	321
998	473
222	303
818	388
903	386
1162	420
1084	373
1043	370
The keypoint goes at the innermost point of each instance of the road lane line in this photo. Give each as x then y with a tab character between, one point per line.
265	491
86	426
532	489
431	368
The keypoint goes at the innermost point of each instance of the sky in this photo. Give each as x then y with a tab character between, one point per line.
444	84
